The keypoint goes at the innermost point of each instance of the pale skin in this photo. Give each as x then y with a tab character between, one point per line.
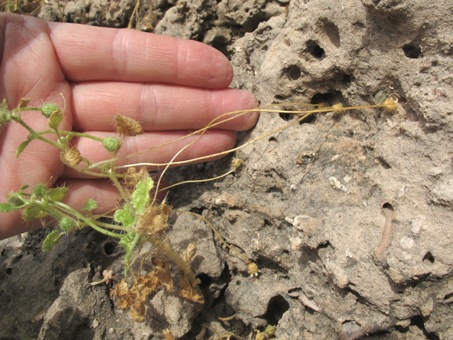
171	86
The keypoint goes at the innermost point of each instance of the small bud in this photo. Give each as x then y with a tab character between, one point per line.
55	119
111	144
253	269
48	109
236	163
72	156
127	126
23	103
338	107
5	115
389	104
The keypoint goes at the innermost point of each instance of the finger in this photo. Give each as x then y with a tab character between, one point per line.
158	107
93	53
158	148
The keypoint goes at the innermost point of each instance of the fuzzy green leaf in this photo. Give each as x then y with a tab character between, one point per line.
90	205
40	190
125	216
50	241
126	242
33	212
140	196
6	207
57	194
15	201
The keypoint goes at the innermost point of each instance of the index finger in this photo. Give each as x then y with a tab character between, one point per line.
88	53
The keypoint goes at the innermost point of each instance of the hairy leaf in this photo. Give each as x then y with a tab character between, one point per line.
33	212
125	216
50	241
90	205
57	194
6	207
140	196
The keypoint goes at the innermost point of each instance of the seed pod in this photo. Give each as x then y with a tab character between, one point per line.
71	156
50	108
127	126
111	144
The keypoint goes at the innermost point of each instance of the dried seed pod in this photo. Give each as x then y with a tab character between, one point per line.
71	156
127	126
132	177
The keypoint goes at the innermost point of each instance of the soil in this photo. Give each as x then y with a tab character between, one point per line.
349	217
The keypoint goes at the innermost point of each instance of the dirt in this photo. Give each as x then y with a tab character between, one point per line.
348	216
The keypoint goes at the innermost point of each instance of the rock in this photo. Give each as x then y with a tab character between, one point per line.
307	204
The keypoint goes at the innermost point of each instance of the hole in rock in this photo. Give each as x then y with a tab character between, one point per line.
205	280
9	271
429	257
293	72
412	51
286	116
275	309
329	98
111	248
388	206
418	321
315	50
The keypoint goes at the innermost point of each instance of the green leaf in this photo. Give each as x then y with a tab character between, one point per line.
33	212
57	194
50	241
5	115
90	205
126	242
15	201
40	190
6	207
55	119
22	147
125	216
24	187
140	196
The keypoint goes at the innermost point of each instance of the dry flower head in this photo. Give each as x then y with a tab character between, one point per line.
127	126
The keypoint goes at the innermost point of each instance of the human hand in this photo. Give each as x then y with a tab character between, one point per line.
170	85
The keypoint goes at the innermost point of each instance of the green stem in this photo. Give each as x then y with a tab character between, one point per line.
113	177
81	134
36	135
86	220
